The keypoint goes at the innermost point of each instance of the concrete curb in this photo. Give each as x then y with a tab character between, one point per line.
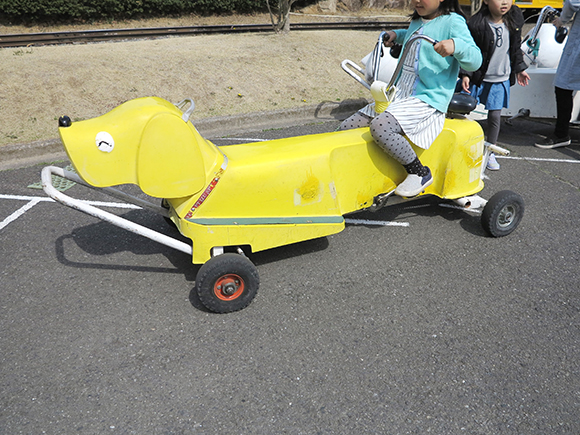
29	154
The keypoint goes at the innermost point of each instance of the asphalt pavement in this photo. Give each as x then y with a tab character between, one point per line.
412	321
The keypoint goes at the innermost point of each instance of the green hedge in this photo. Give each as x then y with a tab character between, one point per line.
39	11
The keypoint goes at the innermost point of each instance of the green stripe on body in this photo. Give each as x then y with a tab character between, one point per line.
269	220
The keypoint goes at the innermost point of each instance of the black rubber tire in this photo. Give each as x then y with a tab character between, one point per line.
503	213
227	283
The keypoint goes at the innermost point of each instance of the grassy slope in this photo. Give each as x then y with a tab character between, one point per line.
224	74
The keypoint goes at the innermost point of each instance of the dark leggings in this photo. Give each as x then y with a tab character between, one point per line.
493	124
564	101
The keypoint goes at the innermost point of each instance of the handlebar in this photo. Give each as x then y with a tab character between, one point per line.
348	66
405	53
544	14
356	72
377	52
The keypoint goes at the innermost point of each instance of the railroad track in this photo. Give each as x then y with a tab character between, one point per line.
83	36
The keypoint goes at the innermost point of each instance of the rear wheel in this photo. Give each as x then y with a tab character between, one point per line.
227	282
502	213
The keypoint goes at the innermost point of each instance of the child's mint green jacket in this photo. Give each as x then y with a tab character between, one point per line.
437	75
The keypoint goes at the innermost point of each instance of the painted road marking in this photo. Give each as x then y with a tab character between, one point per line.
381	223
33	200
538	159
240	139
19	212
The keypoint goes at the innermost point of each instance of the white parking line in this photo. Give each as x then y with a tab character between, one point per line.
33	200
538	159
26	198
381	223
19	212
241	139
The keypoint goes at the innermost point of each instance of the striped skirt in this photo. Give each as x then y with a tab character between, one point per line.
421	122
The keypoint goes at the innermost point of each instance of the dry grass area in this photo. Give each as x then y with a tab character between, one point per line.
309	14
224	74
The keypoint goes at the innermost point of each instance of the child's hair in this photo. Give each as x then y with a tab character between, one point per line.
508	18
445	8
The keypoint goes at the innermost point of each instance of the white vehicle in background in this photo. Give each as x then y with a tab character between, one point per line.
542	47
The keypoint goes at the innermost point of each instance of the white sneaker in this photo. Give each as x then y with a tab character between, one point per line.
413	185
492	163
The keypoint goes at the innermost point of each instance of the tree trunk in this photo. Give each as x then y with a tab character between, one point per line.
280	14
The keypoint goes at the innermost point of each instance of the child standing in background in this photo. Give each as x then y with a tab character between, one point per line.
567	78
497	31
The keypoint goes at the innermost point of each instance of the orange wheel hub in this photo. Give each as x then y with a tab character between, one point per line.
229	287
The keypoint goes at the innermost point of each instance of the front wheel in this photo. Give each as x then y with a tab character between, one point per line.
227	282
502	213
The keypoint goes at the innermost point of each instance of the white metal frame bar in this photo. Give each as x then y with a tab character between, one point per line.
49	189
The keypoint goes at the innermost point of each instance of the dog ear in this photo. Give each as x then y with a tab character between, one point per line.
169	161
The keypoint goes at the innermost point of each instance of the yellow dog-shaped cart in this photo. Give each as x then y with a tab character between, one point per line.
247	198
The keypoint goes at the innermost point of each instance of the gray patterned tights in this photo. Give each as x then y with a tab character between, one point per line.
389	135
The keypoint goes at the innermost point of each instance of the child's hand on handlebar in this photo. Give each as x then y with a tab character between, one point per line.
445	48
389	38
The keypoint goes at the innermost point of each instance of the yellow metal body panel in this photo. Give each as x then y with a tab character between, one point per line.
287	190
258	236
263	194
